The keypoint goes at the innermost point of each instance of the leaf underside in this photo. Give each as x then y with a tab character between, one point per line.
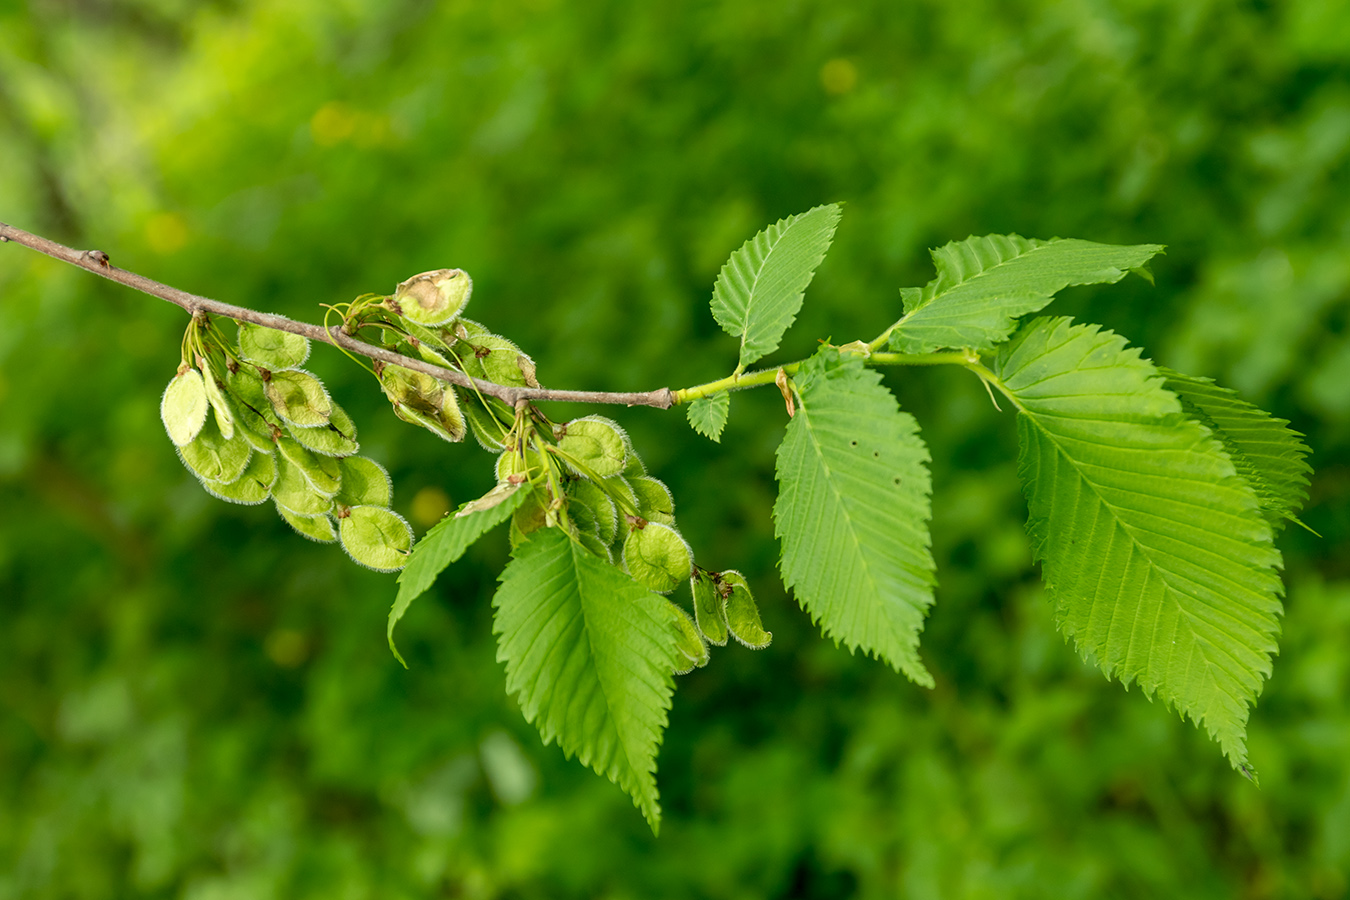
1158	560
1268	454
589	654
759	291
853	512
984	283
440	547
708	415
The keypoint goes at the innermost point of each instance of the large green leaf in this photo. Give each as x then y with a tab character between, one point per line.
1160	564
445	543
590	655
1265	450
760	289
984	283
853	511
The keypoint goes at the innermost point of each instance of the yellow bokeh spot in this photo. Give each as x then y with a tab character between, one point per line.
429	506
838	76
166	232
333	123
287	647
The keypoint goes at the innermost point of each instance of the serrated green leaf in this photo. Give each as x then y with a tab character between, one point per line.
760	289
984	283
184	406
1266	452
1158	560
444	544
273	350
853	511
375	537
708	415
589	654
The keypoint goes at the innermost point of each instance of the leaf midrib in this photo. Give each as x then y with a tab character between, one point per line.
933	299
1163	576
759	272
848	516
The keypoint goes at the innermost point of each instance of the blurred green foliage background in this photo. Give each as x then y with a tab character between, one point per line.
197	703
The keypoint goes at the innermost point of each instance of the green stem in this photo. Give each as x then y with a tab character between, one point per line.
992	381
951	358
737	382
733	382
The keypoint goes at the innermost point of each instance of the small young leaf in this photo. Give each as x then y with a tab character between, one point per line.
443	544
271	349
213	458
759	291
1159	562
709	608
589	654
316	528
364	483
184	406
984	283
708	415
688	641
852	511
375	537
656	556
1268	454
598	443
742	612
